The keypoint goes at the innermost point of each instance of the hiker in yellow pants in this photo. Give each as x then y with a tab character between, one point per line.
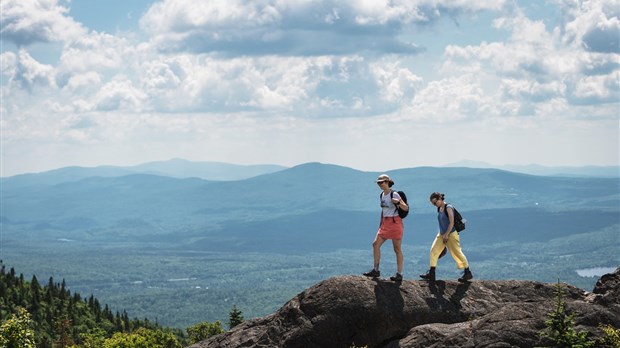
454	245
447	237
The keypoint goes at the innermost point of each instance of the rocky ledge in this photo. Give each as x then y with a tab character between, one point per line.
348	311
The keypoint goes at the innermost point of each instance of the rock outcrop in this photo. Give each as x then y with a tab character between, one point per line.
357	311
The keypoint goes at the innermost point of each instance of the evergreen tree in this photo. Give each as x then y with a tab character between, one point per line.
3	285
49	291
235	317
35	290
560	326
63	332
64	320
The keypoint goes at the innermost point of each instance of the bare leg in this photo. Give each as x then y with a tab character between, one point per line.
397	244
376	249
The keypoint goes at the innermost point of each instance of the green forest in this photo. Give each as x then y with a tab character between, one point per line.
49	316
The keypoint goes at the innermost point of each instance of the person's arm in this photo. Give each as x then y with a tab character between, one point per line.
403	205
450	213
398	202
446	234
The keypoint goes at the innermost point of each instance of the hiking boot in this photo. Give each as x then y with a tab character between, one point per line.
397	277
430	275
466	276
373	273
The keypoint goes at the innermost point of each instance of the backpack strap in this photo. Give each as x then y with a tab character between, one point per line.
446	209
380	197
392	197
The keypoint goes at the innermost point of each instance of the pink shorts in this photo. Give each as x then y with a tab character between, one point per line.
391	228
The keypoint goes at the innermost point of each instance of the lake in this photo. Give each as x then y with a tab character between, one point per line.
595	272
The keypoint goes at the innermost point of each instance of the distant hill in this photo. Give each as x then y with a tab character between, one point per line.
216	171
535	169
175	168
305	188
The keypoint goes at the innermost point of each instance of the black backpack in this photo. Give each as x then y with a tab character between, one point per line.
402	213
458	219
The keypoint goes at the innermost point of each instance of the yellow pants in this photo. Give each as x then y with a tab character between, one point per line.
454	247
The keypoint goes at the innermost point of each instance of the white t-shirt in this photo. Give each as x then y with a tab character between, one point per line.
389	209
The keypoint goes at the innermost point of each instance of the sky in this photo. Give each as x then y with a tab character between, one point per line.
369	84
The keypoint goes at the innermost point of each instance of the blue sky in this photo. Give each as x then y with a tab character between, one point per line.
369	84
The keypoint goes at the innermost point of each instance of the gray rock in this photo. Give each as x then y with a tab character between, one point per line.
353	310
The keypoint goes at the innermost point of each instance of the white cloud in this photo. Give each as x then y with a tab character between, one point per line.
314	27
540	65
595	26
166	74
451	99
97	51
326	77
530	90
598	88
28	21
397	83
370	12
8	64
80	82
30	74
119	94
307	86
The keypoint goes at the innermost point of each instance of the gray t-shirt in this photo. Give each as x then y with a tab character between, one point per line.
389	209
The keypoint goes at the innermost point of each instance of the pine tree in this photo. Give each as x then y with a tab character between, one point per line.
63	332
560	326
35	306
235	317
64	320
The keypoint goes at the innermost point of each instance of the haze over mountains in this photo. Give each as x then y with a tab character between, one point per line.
226	227
205	194
159	199
536	169
175	168
219	171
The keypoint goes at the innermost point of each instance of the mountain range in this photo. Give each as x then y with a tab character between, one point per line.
174	168
314	196
123	232
77	198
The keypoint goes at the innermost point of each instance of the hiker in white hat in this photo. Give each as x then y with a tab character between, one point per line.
391	226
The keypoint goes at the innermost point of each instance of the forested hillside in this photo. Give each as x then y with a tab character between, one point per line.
49	316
